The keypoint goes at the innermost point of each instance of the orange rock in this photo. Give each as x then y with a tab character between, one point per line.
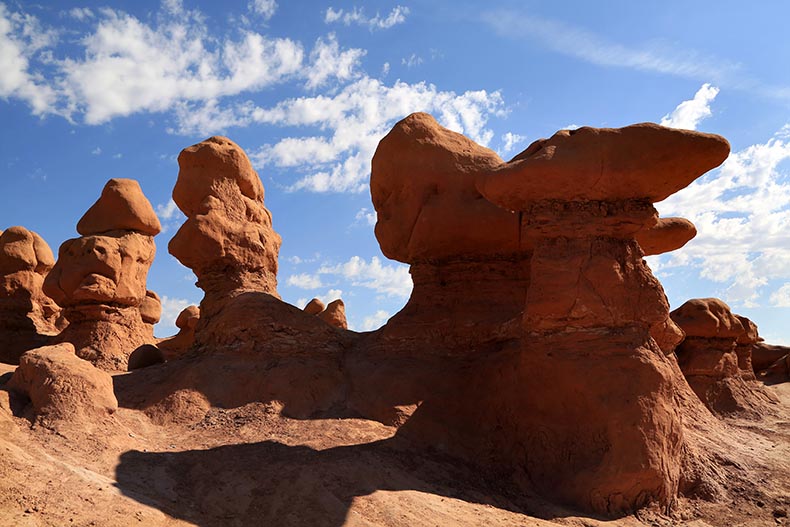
335	314
669	234
314	307
423	188
100	279
180	343
122	206
638	162
227	239
27	316
63	387
151	308
716	357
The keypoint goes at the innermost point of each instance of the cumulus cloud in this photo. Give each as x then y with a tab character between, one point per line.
328	61
742	215
263	8
688	114
80	13
171	308
358	17
353	121
781	297
366	216
375	321
392	280
304	281
510	140
22	38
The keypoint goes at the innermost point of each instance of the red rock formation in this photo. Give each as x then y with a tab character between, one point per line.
100	278
431	215
228	239
27	316
335	314
314	307
715	357
554	400
180	343
669	234
151	308
63	387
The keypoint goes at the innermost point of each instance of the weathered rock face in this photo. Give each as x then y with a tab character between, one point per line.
669	234
100	278
228	239
431	215
180	343
715	357
151	308
63	387
562	256
27	316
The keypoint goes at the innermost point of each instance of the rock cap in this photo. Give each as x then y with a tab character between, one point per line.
121	206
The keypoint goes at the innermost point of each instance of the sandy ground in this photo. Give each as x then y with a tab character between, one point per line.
252	466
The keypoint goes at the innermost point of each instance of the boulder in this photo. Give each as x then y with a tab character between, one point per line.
180	343
151	308
63	387
335	314
314	307
122	206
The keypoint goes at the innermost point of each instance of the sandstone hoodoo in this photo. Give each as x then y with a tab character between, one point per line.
431	216
28	317
570	210
99	278
228	239
668	234
716	357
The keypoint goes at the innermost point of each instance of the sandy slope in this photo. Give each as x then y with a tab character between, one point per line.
252	466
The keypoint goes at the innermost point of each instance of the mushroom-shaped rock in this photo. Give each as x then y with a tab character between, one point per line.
716	357
335	314
227	239
27	315
639	162
63	387
151	308
423	188
100	279
188	318
708	318
314	307
669	234
122	206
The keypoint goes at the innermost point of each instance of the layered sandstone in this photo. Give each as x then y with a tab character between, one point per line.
99	278
560	257
28	318
715	357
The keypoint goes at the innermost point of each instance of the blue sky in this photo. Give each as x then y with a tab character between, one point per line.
95	90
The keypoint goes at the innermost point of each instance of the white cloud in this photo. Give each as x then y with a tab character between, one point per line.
357	16
411	61
385	69
781	297
167	211
366	216
263	8
96	151
328	61
375	321
304	281
392	280
81	13
130	66
21	39
688	114
742	215
171	308
510	140
352	123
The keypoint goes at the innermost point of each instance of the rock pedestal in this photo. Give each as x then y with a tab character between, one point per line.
100	278
716	357
28	317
